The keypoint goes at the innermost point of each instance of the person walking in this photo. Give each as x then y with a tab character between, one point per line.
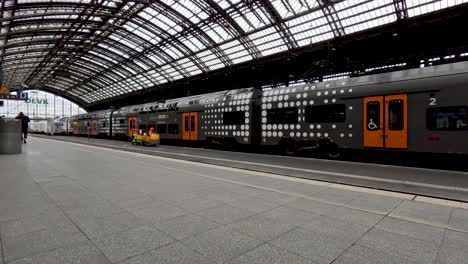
24	126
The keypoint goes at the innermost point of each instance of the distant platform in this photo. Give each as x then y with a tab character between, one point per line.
63	202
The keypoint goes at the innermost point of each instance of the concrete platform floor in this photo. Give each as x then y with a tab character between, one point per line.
452	185
68	203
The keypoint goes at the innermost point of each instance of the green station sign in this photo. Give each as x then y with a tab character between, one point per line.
37	101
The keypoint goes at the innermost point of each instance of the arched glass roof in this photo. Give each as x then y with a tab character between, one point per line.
92	50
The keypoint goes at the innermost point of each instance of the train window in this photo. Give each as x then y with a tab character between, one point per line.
233	118
186	123
373	115
451	118
396	114
192	123
325	113
161	129
282	115
173	129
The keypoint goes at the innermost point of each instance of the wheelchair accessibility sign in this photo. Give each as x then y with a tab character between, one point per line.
371	125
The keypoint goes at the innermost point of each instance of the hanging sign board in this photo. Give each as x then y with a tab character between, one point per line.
20	95
5	94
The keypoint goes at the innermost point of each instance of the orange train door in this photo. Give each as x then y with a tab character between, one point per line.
193	126
396	121
94	128
75	128
132	126
190	126
373	122
386	121
186	126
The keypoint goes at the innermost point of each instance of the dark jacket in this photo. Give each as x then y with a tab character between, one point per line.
24	121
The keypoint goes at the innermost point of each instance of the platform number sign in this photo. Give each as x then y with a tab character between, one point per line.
432	101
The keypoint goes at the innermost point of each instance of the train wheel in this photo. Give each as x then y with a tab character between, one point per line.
331	150
290	147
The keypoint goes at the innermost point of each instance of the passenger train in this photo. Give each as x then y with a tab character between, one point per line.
416	110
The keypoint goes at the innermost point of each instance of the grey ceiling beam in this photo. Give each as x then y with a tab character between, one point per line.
401	9
279	24
328	8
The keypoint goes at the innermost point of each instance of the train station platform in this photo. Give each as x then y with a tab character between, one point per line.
67	202
437	183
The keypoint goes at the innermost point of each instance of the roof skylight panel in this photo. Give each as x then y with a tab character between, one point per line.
275	50
103	56
236	51
193	70
310	28
156	58
242	59
185	62
206	53
110	3
187	8
131	45
160	79
147	13
419	7
230	44
173	52
118	52
366	15
214	35
141	64
212	61
193	44
144	33
175	75
262	15
224	4
283	10
128	69
269	37
92	62
244	24
152	73
256	23
166	23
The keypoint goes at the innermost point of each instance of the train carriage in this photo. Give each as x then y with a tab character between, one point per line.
229	116
417	110
61	126
124	121
103	123
420	110
79	124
